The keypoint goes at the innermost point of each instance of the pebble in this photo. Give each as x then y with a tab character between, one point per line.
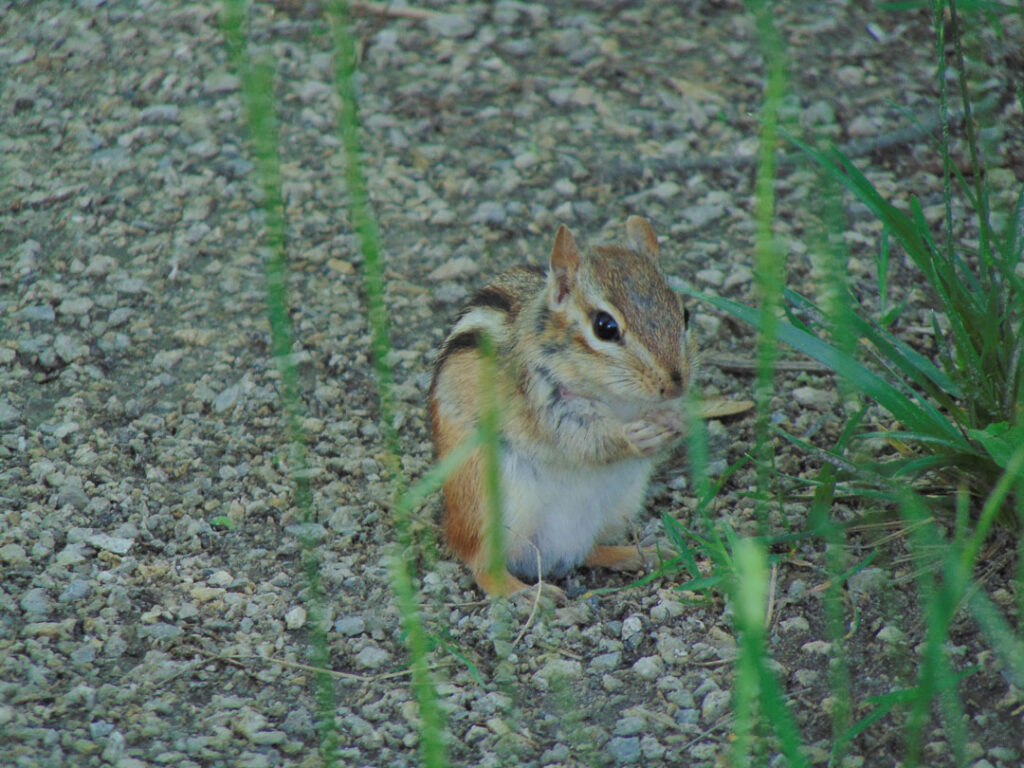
451	25
13	555
350	626
115	544
37	313
489	212
372	657
295	618
624	749
649	667
76	306
36	602
455	269
867	581
701	215
556	672
715	703
812	397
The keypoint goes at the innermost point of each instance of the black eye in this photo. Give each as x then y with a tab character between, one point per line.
605	327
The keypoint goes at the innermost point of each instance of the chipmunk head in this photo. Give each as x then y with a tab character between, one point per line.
623	328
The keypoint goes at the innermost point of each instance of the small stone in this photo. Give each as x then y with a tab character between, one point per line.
38	313
867	581
489	212
811	397
71	492
295	618
72	554
714	704
651	747
666	190
36	602
450	25
525	160
624	749
350	626
649	667
227	398
796	624
817	647
13	555
606	662
76	590
454	269
168	359
76	306
629	725
115	544
160	631
160	113
8	414
69	350
556	670
891	635
372	657
220	579
711	276
702	215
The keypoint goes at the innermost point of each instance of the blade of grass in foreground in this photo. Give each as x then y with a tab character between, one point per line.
770	261
258	92
432	722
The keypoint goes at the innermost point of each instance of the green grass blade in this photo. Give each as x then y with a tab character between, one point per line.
431	729
918	417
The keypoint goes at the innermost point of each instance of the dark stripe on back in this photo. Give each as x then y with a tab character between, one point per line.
490	297
457	343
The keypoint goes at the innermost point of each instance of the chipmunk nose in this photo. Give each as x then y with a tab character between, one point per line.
674	388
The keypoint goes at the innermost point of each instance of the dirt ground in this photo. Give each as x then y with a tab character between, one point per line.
139	407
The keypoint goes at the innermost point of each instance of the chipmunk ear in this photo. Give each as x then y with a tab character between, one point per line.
565	264
642	238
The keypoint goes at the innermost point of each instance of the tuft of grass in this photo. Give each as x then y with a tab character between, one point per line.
418	642
257	79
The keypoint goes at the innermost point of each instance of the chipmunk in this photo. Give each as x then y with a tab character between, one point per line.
593	358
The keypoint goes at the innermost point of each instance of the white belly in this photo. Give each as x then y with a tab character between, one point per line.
561	512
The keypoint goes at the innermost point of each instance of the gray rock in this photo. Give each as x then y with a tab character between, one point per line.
76	590
227	398
13	555
489	212
702	215
160	631
36	603
350	626
715	703
372	657
868	581
71	492
557	670
68	349
649	667
76	306
624	749
451	25
115	544
630	725
8	414
38	313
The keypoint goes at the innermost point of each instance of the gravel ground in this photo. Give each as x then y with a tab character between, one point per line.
138	401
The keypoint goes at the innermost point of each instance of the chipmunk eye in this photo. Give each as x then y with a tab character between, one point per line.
605	327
